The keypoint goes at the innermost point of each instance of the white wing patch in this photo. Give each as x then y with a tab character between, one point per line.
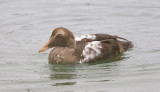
91	51
87	36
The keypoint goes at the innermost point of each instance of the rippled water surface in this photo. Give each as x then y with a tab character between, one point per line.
25	25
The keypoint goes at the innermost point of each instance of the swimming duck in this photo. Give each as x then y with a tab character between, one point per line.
85	48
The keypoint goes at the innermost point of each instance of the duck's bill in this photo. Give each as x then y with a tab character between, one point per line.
45	47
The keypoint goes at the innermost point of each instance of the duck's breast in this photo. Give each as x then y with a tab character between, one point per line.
62	55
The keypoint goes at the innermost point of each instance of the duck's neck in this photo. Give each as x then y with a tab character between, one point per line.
71	43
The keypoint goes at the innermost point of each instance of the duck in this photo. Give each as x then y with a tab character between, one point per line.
83	49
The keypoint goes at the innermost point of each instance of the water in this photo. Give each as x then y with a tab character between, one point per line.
25	26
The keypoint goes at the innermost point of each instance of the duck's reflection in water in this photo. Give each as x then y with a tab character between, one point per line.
62	71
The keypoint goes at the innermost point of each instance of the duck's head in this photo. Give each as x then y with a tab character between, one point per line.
61	37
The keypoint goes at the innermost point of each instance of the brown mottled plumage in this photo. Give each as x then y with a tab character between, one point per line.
86	48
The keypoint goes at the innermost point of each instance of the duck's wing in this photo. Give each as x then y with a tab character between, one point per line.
100	46
98	50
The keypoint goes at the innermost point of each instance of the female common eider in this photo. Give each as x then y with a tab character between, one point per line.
86	48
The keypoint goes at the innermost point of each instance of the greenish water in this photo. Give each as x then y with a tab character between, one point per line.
25	26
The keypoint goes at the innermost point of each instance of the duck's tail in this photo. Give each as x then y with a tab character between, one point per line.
124	45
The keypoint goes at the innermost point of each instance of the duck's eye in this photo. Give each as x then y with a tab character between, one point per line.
59	35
